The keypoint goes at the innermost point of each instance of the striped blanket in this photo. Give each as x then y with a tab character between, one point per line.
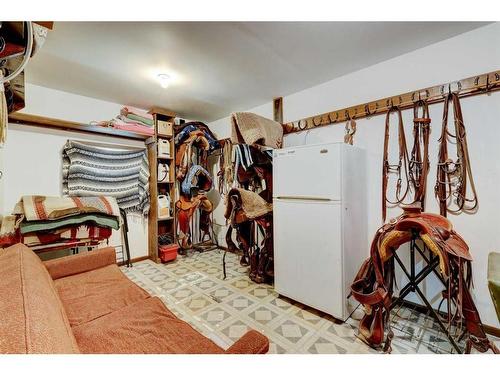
83	233
41	207
123	174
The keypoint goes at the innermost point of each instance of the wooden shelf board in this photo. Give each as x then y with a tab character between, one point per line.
165	182
162	111
166	218
169	137
52	123
163	158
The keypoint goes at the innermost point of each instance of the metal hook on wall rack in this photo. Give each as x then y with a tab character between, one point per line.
367	110
459	87
487	87
470	86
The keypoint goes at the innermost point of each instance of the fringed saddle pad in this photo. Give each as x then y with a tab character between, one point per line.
252	129
253	205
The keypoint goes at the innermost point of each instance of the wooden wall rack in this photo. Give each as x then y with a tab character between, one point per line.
52	123
477	85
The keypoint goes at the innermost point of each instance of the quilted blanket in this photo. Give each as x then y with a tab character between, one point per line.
73	233
9	235
38	207
92	170
100	220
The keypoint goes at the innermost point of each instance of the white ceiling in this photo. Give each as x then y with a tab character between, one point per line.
217	67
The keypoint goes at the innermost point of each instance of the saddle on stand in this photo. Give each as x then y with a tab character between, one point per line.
374	284
193	138
248	213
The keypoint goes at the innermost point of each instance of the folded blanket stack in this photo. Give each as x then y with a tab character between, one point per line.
132	120
41	221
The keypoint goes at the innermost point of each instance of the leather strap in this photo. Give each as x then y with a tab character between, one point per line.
419	161
454	176
401	168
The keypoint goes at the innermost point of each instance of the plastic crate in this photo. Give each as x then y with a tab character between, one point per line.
168	253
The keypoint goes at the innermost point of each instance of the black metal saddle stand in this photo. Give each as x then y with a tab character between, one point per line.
125	236
432	262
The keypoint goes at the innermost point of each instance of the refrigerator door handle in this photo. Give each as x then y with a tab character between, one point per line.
303	198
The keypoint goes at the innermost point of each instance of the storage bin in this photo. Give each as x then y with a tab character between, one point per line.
163	172
163	148
165	128
168	253
163	206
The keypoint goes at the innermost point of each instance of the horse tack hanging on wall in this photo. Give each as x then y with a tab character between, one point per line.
419	160
401	168
454	176
350	130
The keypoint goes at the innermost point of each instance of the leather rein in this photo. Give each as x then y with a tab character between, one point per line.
419	162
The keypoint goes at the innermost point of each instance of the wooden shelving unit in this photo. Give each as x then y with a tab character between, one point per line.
158	225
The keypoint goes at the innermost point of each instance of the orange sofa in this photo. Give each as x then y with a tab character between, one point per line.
85	304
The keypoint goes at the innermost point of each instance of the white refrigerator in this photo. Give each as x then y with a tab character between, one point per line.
320	224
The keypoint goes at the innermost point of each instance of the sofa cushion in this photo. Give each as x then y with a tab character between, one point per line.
33	319
90	295
146	327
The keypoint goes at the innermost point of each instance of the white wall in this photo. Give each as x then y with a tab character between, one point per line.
31	157
459	57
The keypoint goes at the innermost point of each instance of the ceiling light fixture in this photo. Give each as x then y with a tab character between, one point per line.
164	80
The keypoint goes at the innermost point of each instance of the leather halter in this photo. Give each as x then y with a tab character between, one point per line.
419	161
454	176
401	168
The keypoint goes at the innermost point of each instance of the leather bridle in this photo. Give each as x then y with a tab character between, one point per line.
454	176
419	161
401	168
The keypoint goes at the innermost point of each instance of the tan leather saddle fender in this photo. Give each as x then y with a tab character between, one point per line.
185	209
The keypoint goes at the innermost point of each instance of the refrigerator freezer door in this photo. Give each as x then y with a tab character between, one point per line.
308	254
308	172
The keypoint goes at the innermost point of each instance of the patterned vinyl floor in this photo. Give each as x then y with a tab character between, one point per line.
192	287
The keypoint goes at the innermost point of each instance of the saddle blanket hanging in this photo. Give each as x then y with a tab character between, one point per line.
123	174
